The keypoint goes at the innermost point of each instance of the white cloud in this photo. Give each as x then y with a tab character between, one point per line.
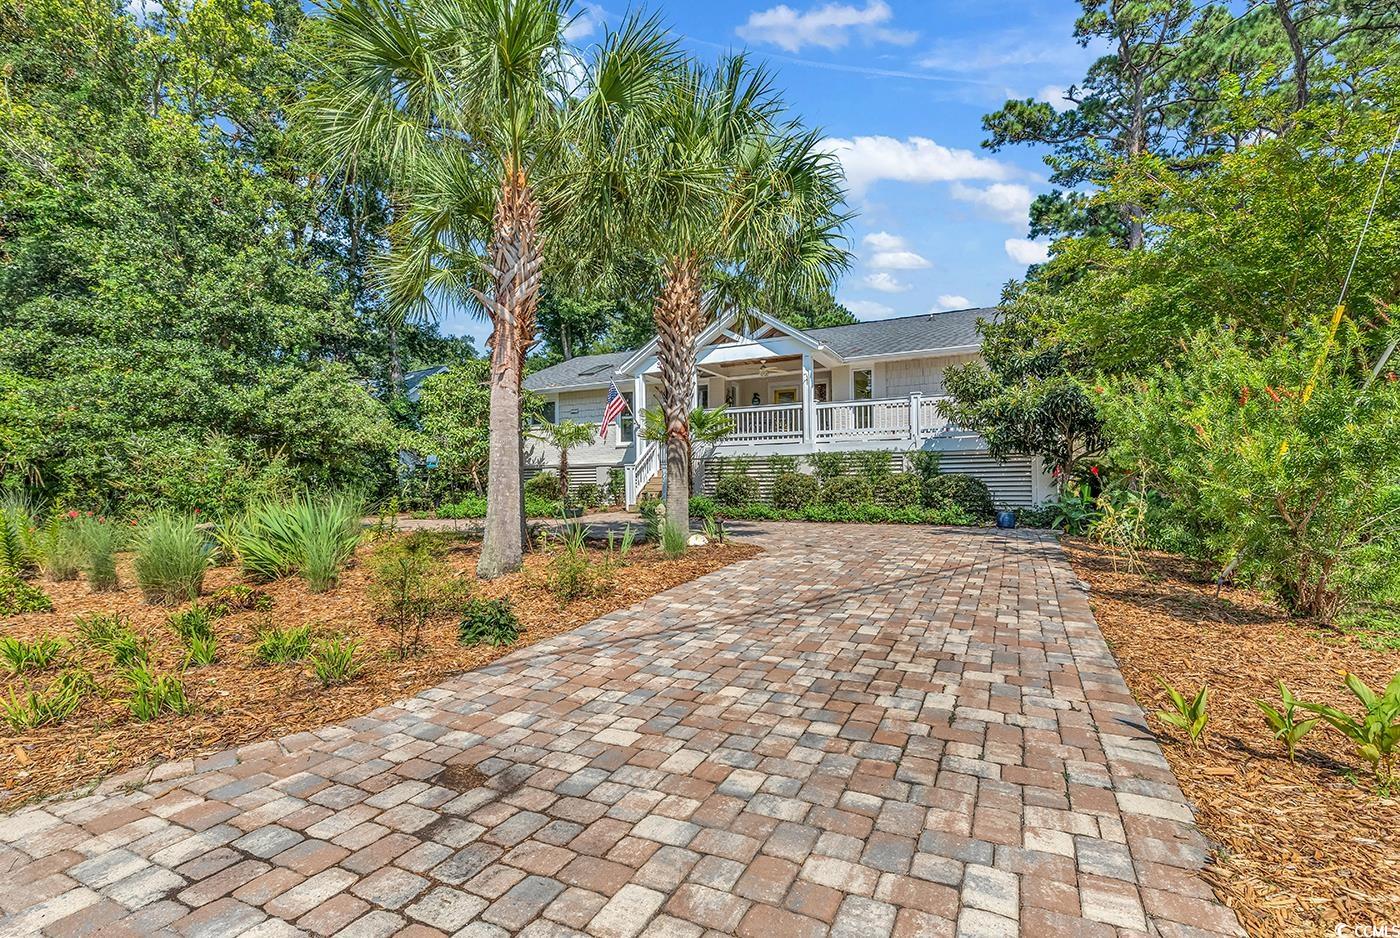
1023	251
891	252
868	309
1009	201
947	301
585	23
867	160
1054	95
829	26
1007	52
885	283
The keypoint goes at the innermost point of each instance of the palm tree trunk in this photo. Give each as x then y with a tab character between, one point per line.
679	320
515	283
564	475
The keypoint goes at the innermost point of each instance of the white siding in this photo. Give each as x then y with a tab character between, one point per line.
903	377
580	407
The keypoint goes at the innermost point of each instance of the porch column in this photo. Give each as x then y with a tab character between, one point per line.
639	404
809	404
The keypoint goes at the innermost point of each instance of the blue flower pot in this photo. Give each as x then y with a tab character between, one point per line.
1006	519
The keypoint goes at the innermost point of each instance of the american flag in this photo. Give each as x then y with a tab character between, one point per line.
612	409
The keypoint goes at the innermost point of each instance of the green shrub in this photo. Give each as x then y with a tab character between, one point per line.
170	556
777	465
238	597
313	537
828	466
570	575
736	489
617	487
1037	516
201	651
474	506
37	655
544	486
56	549
283	645
794	490
674	536
964	492
18	597
488	622
702	506
863	514
16	537
897	490
873	464
409	584
587	495
846	490
650	510
98	541
102	630
194	622
333	661
152	694
32	709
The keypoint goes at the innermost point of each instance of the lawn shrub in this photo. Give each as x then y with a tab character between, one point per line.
569	573
874	464
846	490
98	541
20	655
333	660
897	490
587	495
409	584
702	506
793	490
16	525
963	492
827	466
313	537
488	622
544	486
18	597
863	514
736	489
617	487
474	506
153	694
283	644
170	555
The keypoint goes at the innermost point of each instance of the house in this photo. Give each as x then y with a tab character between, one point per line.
791	392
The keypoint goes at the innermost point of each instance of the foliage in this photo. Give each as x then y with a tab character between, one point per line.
1189	716
201	651
474	506
453	411
98	541
153	694
793	490
736	489
192	623
544	486
828	466
707	428
1377	733
18	597
1073	510
1290	463
868	513
488	622
283	644
569	573
564	436
170	555
847	491
703	506
617	486
313	537
1284	722
874	464
651	512
587	495
103	631
55	547
237	597
34	709
333	661
20	655
714	530
16	555
963	492
897	489
674	537
409	584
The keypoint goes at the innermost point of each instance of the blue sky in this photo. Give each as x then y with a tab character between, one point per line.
899	88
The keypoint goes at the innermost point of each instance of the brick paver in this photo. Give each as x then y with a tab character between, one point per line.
862	731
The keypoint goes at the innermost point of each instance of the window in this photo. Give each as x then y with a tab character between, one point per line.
547	413
626	424
785	395
702	396
863	382
820	395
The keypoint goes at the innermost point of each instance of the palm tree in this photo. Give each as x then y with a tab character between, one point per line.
738	205
467	106
564	436
708	428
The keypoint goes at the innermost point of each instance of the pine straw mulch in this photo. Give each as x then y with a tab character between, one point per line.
1302	846
238	701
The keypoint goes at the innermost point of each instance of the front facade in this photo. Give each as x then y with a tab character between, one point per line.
790	392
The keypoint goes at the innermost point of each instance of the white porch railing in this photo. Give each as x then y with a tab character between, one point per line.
781	423
865	420
637	475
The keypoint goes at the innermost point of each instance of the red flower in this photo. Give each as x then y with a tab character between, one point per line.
1272	393
196	511
72	513
1095	471
1390	376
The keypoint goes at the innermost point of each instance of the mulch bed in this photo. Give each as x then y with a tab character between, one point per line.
1302	846
238	701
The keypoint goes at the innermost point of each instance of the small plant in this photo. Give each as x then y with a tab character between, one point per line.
1075	510
194	622
624	547
488	622
171	555
409	585
98	541
673	538
32	709
284	645
570	575
37	655
1286	727
102	630
238	597
152	694
16	521
651	512
1189	716
56	549
1377	733
314	538
18	597
201	651
714	530
333	661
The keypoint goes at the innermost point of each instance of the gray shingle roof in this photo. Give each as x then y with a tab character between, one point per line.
955	329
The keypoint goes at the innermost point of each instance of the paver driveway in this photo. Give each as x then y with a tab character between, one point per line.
864	730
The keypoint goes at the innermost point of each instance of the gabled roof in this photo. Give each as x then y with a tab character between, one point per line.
924	332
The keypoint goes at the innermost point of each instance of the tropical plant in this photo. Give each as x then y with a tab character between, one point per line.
1073	510
153	694
313	537
1377	733
488	622
674	538
18	597
1189	716
98	540
33	709
333	660
20	655
708	429
201	651
16	524
283	644
564	436
170	555
237	597
1283	720
55	548
194	622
